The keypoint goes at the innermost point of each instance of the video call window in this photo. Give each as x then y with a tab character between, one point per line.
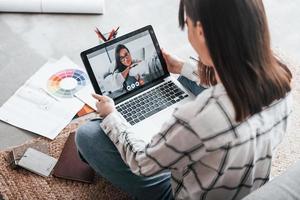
126	65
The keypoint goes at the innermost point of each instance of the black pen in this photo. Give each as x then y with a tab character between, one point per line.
195	59
116	32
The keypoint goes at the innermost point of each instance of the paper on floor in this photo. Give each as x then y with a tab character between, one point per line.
35	109
53	6
85	95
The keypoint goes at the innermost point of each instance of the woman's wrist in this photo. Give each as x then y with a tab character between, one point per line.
125	72
180	66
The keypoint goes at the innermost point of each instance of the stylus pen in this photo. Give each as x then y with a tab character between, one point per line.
117	29
113	33
100	34
192	58
116	32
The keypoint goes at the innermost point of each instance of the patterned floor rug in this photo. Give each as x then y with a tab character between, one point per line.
22	184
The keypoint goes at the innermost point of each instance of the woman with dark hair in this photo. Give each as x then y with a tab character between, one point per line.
130	73
220	145
124	63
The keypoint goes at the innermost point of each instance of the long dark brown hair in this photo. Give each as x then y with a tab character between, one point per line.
238	40
120	67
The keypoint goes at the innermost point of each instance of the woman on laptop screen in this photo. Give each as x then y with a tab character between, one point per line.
220	145
124	63
129	73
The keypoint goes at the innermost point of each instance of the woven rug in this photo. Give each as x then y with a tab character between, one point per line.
21	184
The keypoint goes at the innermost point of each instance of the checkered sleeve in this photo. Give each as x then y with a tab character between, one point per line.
174	147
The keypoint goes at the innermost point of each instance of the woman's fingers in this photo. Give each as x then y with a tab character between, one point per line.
166	57
164	53
105	105
97	96
101	97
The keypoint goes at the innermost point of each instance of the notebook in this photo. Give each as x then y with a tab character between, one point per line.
17	152
70	166
37	162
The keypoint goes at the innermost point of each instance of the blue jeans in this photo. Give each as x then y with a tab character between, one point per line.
102	155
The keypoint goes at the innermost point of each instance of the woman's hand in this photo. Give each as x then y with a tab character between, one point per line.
105	105
174	64
126	72
139	79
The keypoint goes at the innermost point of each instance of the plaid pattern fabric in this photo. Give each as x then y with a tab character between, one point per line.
209	154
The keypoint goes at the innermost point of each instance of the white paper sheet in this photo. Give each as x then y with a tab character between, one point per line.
53	6
34	109
85	96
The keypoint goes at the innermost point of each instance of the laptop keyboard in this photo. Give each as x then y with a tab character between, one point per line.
151	102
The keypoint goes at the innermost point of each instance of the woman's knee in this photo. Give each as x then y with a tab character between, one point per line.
88	134
90	137
98	150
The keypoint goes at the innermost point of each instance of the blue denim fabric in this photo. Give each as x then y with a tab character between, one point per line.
101	154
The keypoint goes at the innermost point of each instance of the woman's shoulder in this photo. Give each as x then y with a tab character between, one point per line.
210	114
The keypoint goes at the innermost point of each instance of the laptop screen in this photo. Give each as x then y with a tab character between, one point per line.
126	65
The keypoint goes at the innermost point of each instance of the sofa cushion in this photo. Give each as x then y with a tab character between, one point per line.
285	186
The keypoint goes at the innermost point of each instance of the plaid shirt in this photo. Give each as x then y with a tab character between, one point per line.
209	154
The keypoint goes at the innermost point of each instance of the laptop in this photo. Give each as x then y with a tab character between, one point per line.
131	70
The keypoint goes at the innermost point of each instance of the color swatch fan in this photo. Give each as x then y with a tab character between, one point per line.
66	83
